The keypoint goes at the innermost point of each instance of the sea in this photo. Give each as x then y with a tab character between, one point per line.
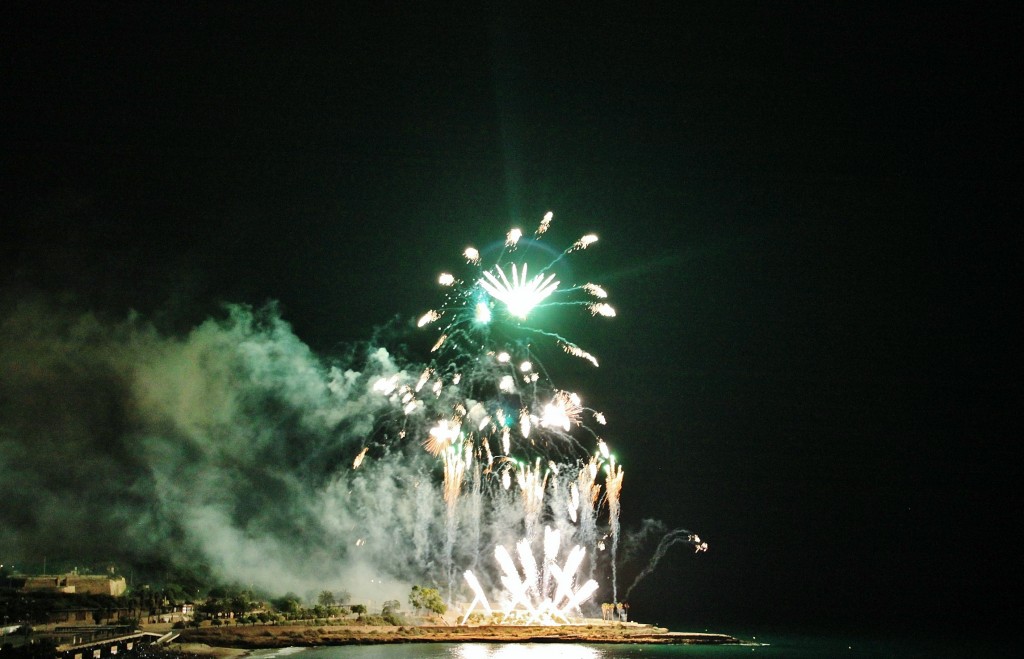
791	646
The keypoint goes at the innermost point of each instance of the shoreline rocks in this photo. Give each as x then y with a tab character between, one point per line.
277	636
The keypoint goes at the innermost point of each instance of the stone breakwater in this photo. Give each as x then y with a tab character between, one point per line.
277	636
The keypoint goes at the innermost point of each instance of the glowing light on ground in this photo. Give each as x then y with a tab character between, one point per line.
535	595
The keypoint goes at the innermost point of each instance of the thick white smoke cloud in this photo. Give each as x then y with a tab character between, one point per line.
232	445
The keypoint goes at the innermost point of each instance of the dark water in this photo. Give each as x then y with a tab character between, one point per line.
796	646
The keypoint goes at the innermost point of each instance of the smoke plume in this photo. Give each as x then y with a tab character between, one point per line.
231	445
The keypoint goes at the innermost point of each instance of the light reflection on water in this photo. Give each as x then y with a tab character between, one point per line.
518	650
466	651
441	651
522	650
785	646
279	652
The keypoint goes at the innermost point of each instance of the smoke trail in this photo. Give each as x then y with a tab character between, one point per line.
669	540
614	488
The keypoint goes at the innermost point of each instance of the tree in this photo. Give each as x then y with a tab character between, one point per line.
241	603
326	599
391	606
288	604
428	599
358	609
130	621
174	594
213	607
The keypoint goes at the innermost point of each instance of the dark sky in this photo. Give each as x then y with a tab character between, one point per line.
809	225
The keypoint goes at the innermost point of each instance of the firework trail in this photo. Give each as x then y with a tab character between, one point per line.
613	488
669	540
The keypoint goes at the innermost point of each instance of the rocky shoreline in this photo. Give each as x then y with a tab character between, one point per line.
277	636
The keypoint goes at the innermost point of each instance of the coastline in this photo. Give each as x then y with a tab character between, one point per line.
241	639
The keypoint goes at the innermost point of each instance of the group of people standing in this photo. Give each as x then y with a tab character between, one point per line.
618	611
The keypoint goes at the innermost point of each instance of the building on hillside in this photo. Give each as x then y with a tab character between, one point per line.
87	584
181	612
90	616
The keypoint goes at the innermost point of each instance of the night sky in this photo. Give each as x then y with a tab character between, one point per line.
809	220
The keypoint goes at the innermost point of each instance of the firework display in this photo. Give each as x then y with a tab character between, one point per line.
519	459
377	468
504	434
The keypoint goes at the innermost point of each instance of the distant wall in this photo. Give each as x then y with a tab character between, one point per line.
76	583
98	585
